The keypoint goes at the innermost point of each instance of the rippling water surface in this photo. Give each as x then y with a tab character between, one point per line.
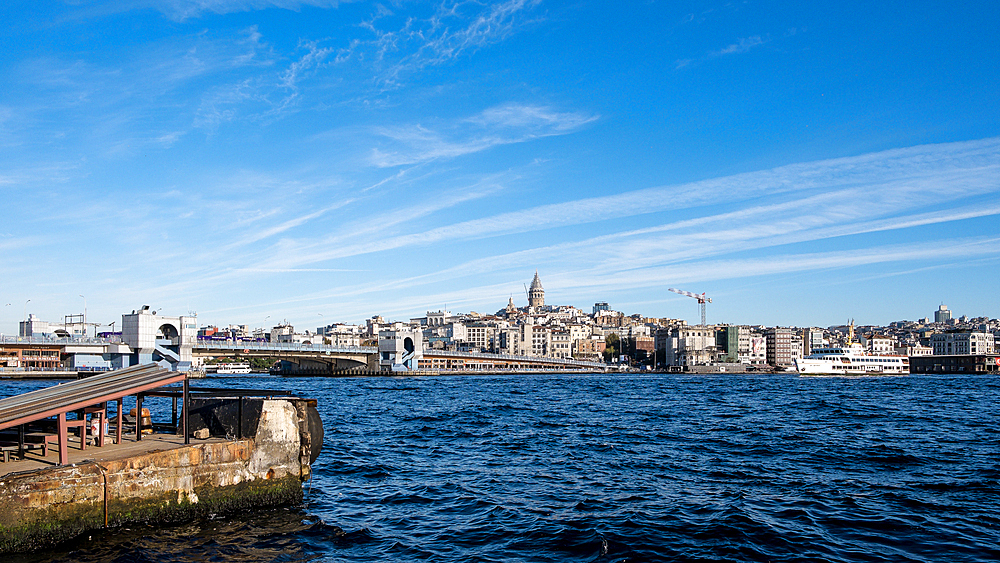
620	468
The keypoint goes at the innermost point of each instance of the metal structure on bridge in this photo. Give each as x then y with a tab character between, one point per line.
295	357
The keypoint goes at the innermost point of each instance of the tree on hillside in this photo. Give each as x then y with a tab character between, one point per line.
612	345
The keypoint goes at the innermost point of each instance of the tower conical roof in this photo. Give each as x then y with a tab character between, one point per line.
536	283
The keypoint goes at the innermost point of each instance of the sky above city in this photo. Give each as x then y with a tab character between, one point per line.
319	161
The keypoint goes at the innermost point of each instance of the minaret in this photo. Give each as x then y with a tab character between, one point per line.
536	294
511	309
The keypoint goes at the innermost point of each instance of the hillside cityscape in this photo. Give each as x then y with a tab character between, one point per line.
601	335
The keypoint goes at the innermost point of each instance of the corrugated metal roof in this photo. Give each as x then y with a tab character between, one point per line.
74	395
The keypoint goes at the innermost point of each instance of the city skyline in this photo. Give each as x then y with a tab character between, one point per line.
322	161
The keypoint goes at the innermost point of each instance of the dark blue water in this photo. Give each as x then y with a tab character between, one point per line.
621	468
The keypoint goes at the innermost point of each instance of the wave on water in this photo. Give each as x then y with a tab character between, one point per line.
551	467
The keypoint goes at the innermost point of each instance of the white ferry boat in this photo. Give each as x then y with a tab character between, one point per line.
232	368
851	360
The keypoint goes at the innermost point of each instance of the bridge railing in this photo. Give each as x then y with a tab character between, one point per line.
10	339
282	347
486	356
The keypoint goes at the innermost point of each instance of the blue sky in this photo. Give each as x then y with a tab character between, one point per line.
317	161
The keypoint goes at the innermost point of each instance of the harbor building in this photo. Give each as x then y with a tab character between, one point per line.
964	363
30	355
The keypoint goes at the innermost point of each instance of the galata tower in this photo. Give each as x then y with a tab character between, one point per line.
536	295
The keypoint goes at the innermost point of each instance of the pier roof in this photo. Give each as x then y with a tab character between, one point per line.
76	395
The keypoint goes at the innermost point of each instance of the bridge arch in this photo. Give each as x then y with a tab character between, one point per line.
167	330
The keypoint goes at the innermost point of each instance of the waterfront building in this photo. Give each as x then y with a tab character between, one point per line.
960	363
541	340
690	346
779	346
751	346
342	339
523	339
960	343
29	355
727	340
577	334
757	354
282	332
341	334
232	332
373	326
435	318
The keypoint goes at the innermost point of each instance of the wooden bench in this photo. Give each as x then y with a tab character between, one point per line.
7	448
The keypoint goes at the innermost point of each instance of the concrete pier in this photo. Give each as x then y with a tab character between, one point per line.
159	479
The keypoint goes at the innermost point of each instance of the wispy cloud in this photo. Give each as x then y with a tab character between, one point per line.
455	28
181	10
502	125
743	45
809	201
899	177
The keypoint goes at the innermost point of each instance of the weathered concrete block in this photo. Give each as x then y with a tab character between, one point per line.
51	505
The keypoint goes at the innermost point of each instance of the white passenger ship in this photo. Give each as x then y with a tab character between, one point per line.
851	360
231	368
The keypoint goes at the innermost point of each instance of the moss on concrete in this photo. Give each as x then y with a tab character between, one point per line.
43	508
58	523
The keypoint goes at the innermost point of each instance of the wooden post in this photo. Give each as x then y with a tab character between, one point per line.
63	431
185	404
138	417
121	415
